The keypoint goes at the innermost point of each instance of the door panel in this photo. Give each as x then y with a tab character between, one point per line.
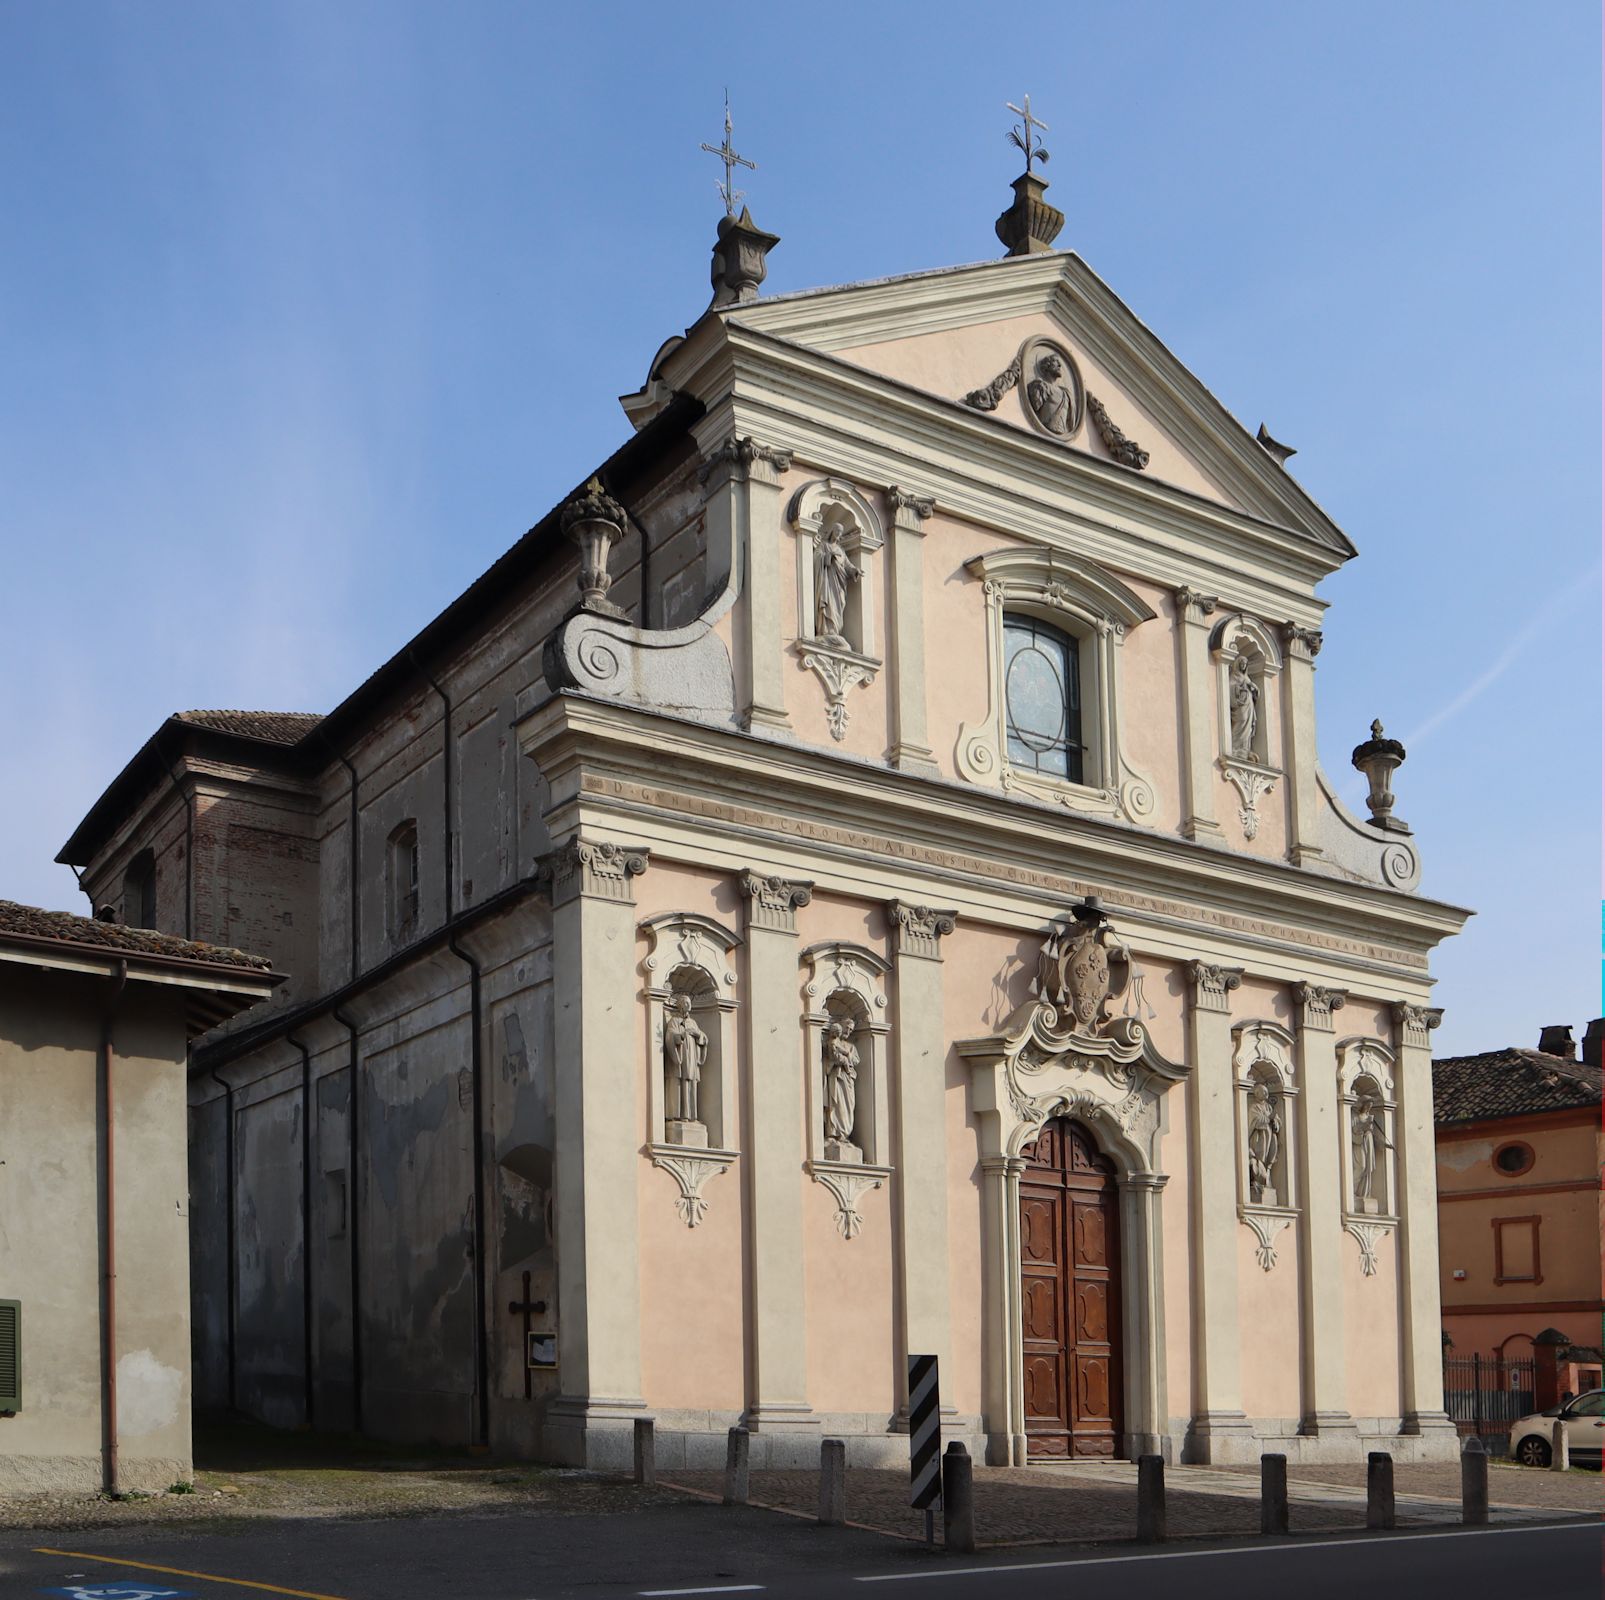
1069	1296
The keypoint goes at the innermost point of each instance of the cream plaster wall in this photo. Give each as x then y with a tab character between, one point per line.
50	1234
954	361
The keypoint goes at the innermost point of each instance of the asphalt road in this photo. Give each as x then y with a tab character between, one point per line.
705	1549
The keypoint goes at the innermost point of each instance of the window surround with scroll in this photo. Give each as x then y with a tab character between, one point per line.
1367	1111
1267	1143
1052	596
838	537
1247	659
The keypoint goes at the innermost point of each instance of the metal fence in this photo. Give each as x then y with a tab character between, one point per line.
1485	1394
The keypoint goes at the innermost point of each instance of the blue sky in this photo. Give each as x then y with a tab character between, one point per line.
307	311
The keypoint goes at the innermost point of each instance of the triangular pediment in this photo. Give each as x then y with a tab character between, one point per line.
961	334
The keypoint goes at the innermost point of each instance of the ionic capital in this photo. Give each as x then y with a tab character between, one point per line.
772	901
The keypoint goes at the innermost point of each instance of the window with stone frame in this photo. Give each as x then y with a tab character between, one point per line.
1055	624
402	868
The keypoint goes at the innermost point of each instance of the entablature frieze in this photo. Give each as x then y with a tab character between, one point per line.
735	801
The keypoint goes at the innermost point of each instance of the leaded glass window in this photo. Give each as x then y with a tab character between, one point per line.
1042	698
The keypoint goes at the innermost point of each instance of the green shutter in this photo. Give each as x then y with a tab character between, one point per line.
10	1355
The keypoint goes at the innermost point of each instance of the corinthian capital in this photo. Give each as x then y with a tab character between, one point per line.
920	929
1212	984
772	901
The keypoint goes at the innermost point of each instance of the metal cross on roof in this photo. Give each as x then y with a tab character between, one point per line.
1021	137
726	153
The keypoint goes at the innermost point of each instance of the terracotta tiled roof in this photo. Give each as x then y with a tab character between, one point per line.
276	727
33	923
1509	1083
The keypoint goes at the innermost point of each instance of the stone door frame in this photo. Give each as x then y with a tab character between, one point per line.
1113	1084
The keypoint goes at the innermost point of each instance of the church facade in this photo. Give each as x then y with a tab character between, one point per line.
854	880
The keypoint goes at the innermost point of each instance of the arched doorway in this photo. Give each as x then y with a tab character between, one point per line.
1070	1295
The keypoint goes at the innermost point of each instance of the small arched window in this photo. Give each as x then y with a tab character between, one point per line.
139	891
1042	698
403	872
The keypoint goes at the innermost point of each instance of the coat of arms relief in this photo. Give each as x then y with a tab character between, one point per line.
1066	1050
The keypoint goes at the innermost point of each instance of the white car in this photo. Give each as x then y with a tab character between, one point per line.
1584	1419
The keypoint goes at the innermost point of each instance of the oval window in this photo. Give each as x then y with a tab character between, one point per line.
1514	1159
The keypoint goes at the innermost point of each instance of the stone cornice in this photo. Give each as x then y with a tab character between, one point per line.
859	827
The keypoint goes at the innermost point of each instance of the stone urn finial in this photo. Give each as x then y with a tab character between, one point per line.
594	520
1030	225
1378	758
738	259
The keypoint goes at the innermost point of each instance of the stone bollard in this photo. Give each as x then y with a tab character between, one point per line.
1151	1499
1560	1455
832	1482
1379	1512
1273	1494
646	1461
958	1501
735	1467
1474	1483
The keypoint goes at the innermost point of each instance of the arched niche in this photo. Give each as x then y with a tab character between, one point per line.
690	979
1266	1096
844	1005
1367	1115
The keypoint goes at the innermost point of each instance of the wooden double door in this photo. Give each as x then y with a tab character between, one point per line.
1070	1295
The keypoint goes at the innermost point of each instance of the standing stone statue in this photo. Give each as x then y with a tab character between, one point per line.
1051	399
685	1051
841	1092
833	573
1264	1142
1245	710
1369	1141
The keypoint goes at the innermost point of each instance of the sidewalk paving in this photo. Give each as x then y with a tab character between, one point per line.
1094	1501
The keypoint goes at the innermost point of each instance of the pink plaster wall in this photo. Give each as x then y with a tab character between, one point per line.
693	1351
954	361
850	1296
1269	1317
1371	1330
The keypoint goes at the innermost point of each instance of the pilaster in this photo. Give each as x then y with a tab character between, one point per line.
1193	611
1420	1319
1219	1430
776	1145
598	1277
743	499
1326	1411
911	750
919	1088
1298	736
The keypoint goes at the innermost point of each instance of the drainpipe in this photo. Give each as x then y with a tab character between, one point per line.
109	1377
445	745
354	1220
228	1190
306	1223
189	849
352	852
481	1329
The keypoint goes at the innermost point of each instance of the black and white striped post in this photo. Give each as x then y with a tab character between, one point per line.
924	1441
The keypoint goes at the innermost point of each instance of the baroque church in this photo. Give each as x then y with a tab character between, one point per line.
854	880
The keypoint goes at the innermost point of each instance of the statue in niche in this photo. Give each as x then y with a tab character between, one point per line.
1264	1144
841	1091
1369	1141
1052	401
834	573
685	1051
1244	702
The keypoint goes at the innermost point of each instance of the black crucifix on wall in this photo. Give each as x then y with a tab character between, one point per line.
540	1349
